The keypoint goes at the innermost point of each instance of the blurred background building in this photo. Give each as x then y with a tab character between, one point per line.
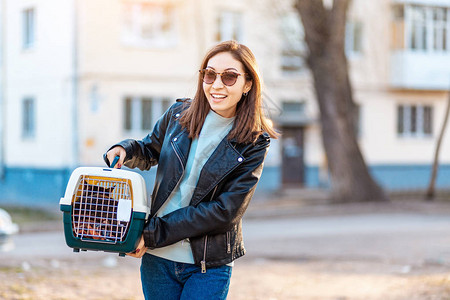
79	75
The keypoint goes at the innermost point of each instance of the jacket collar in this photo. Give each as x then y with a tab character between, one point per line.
223	160
182	145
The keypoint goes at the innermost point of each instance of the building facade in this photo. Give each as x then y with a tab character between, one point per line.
401	81
80	75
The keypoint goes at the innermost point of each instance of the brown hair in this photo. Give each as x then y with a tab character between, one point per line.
250	120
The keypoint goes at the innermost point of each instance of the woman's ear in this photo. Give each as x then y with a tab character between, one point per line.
248	86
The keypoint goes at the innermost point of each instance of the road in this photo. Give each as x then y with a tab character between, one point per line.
408	238
405	238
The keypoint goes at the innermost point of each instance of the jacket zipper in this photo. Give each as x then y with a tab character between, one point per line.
178	182
228	243
179	158
203	262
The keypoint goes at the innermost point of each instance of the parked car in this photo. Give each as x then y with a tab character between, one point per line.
7	228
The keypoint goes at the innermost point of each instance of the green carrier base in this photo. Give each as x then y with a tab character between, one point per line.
130	243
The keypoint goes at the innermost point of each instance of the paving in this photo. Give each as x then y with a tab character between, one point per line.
302	225
299	246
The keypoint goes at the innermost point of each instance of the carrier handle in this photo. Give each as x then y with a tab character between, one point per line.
116	159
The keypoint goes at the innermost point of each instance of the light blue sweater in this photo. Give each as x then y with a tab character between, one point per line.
214	129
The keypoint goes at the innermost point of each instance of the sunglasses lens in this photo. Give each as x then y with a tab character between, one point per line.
229	78
209	76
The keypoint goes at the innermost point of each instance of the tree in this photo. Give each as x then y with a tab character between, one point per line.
324	29
431	186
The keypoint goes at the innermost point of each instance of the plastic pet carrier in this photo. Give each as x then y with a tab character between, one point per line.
104	210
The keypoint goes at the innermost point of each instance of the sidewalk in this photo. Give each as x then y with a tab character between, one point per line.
316	202
305	203
298	247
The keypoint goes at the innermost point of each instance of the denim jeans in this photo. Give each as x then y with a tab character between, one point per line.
168	280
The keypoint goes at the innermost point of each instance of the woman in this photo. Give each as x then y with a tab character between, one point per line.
210	153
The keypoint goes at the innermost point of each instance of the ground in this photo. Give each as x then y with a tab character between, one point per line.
252	279
323	262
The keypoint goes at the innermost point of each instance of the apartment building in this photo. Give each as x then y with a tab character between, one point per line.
80	75
400	69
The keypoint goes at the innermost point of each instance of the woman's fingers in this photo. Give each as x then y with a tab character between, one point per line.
138	253
117	151
140	249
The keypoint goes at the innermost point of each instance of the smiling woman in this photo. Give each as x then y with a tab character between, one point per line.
250	120
224	94
210	152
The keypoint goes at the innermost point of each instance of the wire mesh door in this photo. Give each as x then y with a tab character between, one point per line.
101	209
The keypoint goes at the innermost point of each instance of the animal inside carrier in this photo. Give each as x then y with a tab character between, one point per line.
104	209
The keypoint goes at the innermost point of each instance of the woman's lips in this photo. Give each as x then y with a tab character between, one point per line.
218	97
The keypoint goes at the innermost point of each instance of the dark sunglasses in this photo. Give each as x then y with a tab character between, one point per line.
228	77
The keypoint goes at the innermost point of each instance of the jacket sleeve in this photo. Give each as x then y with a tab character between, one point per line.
217	215
144	154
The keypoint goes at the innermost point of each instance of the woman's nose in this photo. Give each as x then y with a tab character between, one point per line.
218	82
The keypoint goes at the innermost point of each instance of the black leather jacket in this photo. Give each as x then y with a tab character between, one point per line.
212	221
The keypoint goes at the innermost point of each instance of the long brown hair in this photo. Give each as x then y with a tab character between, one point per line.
250	120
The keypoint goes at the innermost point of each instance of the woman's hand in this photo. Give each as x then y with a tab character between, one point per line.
117	151
140	249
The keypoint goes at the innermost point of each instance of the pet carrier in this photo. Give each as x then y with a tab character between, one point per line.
104	209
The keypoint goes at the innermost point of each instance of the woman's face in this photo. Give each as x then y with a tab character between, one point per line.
223	99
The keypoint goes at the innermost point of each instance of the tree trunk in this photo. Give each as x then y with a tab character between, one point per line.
325	35
431	186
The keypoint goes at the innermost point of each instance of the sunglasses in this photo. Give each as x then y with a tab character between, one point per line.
228	77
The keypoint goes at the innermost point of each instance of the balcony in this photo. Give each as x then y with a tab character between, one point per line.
420	70
420	56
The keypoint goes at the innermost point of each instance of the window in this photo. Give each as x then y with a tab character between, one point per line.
149	24
28	118
353	37
440	29
293	113
423	28
398	27
418	28
229	26
28	17
414	120
291	107
141	114
293	47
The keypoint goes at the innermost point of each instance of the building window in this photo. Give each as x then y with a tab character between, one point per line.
149	24
398	27
293	46
353	38
421	28
418	28
440	28
293	113
28	19
28	118
229	26
291	107
141	114
414	120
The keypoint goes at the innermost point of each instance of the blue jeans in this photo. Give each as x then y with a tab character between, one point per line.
168	280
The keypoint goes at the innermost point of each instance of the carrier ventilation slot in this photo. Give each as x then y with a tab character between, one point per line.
101	210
